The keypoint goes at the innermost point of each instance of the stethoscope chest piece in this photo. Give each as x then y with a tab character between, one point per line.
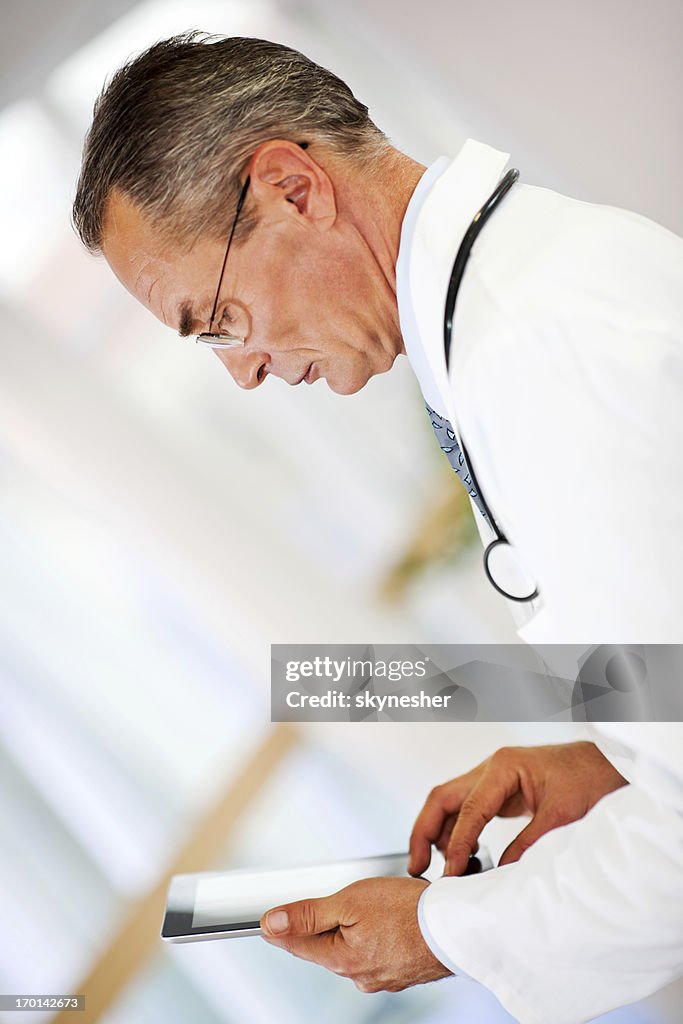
506	572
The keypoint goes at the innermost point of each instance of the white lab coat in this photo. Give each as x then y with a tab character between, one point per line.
566	383
591	917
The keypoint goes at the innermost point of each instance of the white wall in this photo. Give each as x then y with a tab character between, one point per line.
587	96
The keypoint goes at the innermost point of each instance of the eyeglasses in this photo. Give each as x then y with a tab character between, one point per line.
210	337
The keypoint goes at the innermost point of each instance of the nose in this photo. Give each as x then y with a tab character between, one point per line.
247	369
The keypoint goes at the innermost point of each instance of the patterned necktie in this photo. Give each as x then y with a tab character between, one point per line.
445	435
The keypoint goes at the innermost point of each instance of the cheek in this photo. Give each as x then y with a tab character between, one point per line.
329	274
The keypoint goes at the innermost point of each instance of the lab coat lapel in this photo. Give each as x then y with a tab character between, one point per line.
443	220
446	214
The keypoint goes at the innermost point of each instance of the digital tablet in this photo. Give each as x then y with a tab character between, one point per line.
230	904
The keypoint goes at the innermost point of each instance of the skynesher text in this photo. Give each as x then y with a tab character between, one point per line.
339	699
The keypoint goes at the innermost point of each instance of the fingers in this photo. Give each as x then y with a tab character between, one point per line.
310	930
305	917
481	805
442	842
537	827
318	949
443	802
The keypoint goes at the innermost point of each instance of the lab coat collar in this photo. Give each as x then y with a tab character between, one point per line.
425	260
409	329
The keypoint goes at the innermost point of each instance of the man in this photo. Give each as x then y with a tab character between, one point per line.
242	194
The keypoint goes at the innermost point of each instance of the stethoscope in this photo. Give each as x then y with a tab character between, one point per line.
501	542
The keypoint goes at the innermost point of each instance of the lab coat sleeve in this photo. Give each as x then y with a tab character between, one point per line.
591	917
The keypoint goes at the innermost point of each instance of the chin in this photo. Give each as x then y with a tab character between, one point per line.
359	371
347	387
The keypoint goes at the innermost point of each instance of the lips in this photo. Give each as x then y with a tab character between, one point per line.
309	375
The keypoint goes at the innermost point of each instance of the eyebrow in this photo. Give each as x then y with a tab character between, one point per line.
186	320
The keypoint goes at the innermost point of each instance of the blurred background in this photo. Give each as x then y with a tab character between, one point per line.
159	529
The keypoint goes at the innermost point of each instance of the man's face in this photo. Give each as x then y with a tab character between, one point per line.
305	290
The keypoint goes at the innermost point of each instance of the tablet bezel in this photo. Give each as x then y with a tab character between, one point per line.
177	925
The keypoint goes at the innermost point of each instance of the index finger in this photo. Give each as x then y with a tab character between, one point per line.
441	802
481	805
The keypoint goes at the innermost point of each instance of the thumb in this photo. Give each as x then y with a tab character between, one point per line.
305	917
536	828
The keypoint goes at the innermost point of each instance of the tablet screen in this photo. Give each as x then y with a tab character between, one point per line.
241	896
231	903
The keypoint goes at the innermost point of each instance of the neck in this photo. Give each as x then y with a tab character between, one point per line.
386	196
394	184
375	201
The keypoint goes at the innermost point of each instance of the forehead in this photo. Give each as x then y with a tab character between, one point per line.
159	274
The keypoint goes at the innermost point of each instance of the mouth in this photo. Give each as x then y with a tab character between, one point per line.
310	375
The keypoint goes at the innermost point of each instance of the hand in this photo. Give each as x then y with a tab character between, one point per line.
367	932
555	785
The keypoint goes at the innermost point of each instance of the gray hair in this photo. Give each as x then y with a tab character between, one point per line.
175	127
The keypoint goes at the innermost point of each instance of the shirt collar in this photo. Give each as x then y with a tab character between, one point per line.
409	329
438	215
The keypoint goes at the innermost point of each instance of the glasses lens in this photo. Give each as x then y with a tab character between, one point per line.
219	341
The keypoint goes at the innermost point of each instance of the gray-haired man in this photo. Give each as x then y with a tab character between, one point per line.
197	145
310	284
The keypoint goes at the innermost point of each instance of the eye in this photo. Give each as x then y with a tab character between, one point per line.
233	321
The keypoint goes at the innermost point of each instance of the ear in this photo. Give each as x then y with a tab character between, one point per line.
287	181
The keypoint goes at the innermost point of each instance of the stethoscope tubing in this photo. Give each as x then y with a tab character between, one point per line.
459	264
463	253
